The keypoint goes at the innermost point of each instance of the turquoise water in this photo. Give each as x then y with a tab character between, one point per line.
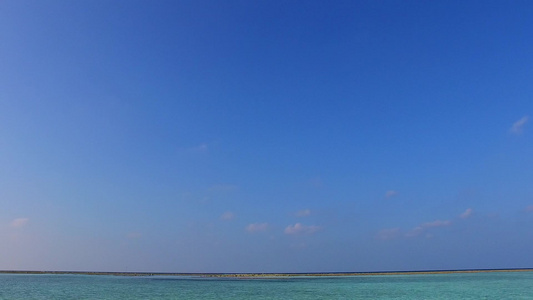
512	285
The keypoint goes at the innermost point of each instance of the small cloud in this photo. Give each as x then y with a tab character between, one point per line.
391	193
19	222
415	231
256	227
437	223
466	213
134	235
301	229
227	216
303	213
518	126
388	233
529	208
423	227
202	148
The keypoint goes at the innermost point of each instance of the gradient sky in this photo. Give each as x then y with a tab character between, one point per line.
265	136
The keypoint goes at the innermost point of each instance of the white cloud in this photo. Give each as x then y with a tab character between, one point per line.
303	213
466	213
18	223
227	216
423	227
518	126
298	228
391	193
257	227
388	233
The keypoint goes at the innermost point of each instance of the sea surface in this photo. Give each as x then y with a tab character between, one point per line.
494	285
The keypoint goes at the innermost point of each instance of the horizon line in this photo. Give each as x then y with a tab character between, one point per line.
263	274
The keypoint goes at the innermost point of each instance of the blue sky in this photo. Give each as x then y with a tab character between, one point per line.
265	136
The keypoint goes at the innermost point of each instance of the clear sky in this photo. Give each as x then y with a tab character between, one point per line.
266	136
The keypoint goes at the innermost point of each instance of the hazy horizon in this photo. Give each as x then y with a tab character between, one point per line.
231	274
265	136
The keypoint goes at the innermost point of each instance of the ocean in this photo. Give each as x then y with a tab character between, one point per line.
491	285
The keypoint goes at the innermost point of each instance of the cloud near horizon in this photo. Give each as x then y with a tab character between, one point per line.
298	228
256	227
391	233
518	126
19	222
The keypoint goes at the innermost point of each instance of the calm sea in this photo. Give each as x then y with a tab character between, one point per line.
505	285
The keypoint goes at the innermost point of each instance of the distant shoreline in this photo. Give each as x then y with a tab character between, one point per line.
269	275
